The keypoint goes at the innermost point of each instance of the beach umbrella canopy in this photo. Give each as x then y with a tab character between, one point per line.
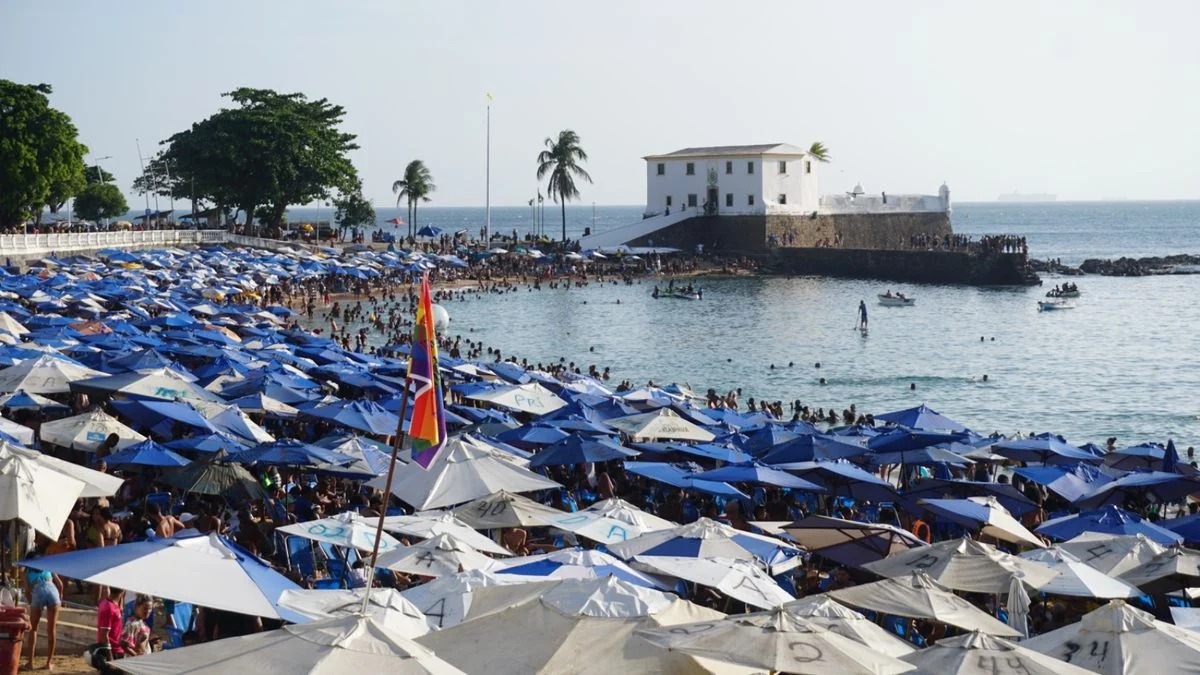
1187	527
88	432
926	456
10	431
761	474
664	424
919	596
464	469
812	447
1172	570
981	654
1047	449
344	644
22	400
386	605
985	515
8	323
36	494
849	542
207	570
348	530
611	521
1128	640
213	442
707	538
1158	485
921	417
216	477
584	627
433	523
233	421
147	453
530	398
742	580
505	509
95	483
45	374
436	556
965	565
776	641
1068	481
1137	457
680	475
446	600
366	416
262	404
1107	520
580	449
936	488
838	618
903	439
572	563
162	416
429	231
163	384
843	479
1078	579
290	452
1112	554
533	436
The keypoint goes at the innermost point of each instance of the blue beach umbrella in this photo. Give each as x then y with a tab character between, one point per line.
901	439
574	563
533	436
679	475
1146	456
147	453
810	447
365	416
214	442
767	438
843	479
580	449
19	400
921	417
1159	485
1069	482
1171	458
933	488
1046	448
160	416
1107	520
754	472
717	451
1187	527
290	452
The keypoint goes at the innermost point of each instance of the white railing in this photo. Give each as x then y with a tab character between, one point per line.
833	204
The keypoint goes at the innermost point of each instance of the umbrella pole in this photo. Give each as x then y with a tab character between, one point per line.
387	495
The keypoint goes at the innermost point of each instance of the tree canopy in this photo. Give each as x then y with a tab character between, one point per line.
819	151
100	200
269	151
413	188
353	210
41	158
561	160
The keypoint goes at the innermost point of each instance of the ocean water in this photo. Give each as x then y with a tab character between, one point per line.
1122	363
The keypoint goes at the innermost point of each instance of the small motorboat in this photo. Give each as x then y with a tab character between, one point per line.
678	294
1054	305
1070	293
896	300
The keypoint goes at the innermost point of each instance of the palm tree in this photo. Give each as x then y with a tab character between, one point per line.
414	187
819	151
561	160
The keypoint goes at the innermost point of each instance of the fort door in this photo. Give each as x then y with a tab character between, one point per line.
710	204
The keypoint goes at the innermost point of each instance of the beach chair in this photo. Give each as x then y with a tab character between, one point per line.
326	584
301	556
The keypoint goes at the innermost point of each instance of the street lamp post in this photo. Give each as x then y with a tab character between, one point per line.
100	179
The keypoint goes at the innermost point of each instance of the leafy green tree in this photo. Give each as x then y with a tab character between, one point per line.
95	173
353	210
100	200
819	151
561	160
41	158
414	187
61	192
267	152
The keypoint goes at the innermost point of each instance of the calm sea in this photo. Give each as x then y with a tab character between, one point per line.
1123	363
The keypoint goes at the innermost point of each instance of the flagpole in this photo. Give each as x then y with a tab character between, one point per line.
387	495
487	225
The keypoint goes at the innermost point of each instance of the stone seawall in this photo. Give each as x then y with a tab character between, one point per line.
942	267
752	234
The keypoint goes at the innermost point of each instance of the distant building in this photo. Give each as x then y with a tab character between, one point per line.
776	178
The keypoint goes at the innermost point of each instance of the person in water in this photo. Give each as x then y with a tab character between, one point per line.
862	314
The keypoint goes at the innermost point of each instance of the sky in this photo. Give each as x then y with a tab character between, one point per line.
1086	99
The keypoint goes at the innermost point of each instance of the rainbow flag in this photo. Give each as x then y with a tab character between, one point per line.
427	429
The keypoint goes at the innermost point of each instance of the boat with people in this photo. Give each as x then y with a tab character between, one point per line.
679	293
1067	290
896	299
1054	305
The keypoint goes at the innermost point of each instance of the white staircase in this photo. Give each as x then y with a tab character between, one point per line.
636	230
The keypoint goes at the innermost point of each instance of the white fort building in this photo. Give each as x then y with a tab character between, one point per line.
743	193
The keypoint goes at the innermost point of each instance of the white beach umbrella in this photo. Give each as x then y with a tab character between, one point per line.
660	424
572	563
446	600
36	494
1127	641
707	538
344	644
95	483
777	641
44	375
163	384
920	597
965	565
18	432
981	654
386	605
838	618
345	529
432	524
1172	570
1187	618
437	556
465	469
741	580
1078	579
530	398
1112	554
505	509
611	521
234	421
984	514
8	323
583	627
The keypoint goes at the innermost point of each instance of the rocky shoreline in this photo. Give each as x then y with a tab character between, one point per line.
1124	267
